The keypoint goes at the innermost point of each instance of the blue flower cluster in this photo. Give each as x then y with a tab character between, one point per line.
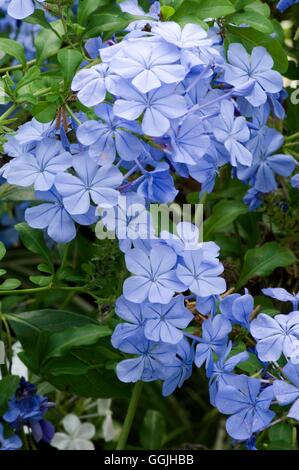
27	408
165	349
165	101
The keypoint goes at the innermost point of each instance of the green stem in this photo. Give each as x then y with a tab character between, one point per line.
292	144
8	112
11	68
71	113
292	137
42	289
129	416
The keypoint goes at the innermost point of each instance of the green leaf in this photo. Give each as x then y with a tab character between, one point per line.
29	77
38	17
10	192
153	430
34	241
108	22
258	7
60	343
204	9
281	432
2	250
45	111
69	59
41	281
253	19
48	43
263	260
224	213
10	284
251	38
8	387
87	7
167	12
14	49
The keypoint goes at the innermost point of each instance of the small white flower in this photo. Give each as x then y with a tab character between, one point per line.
77	435
110	429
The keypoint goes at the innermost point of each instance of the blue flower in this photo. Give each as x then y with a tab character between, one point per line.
93	46
207	305
34	131
222	371
92	84
248	405
110	136
165	322
39	167
256	69
265	165
188	140
181	368
213	340
55	218
253	199
9	443
275	335
191	35
154	275
134	318
285	4
149	65
153	360
159	106
287	393
91	183
200	274
27	408
157	185
20	9
232	133
295	181
238	308
205	172
282	295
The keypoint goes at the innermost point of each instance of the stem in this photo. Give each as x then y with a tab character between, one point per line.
71	113
292	144
292	137
129	416
43	289
8	112
16	67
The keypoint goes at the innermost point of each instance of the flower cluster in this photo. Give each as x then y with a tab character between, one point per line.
165	101
27	408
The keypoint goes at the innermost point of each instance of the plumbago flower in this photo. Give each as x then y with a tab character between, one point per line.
9	443
39	167
267	164
20	9
255	69
77	435
158	106
248	406
91	183
149	65
232	132
275	336
53	216
110	136
27	408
